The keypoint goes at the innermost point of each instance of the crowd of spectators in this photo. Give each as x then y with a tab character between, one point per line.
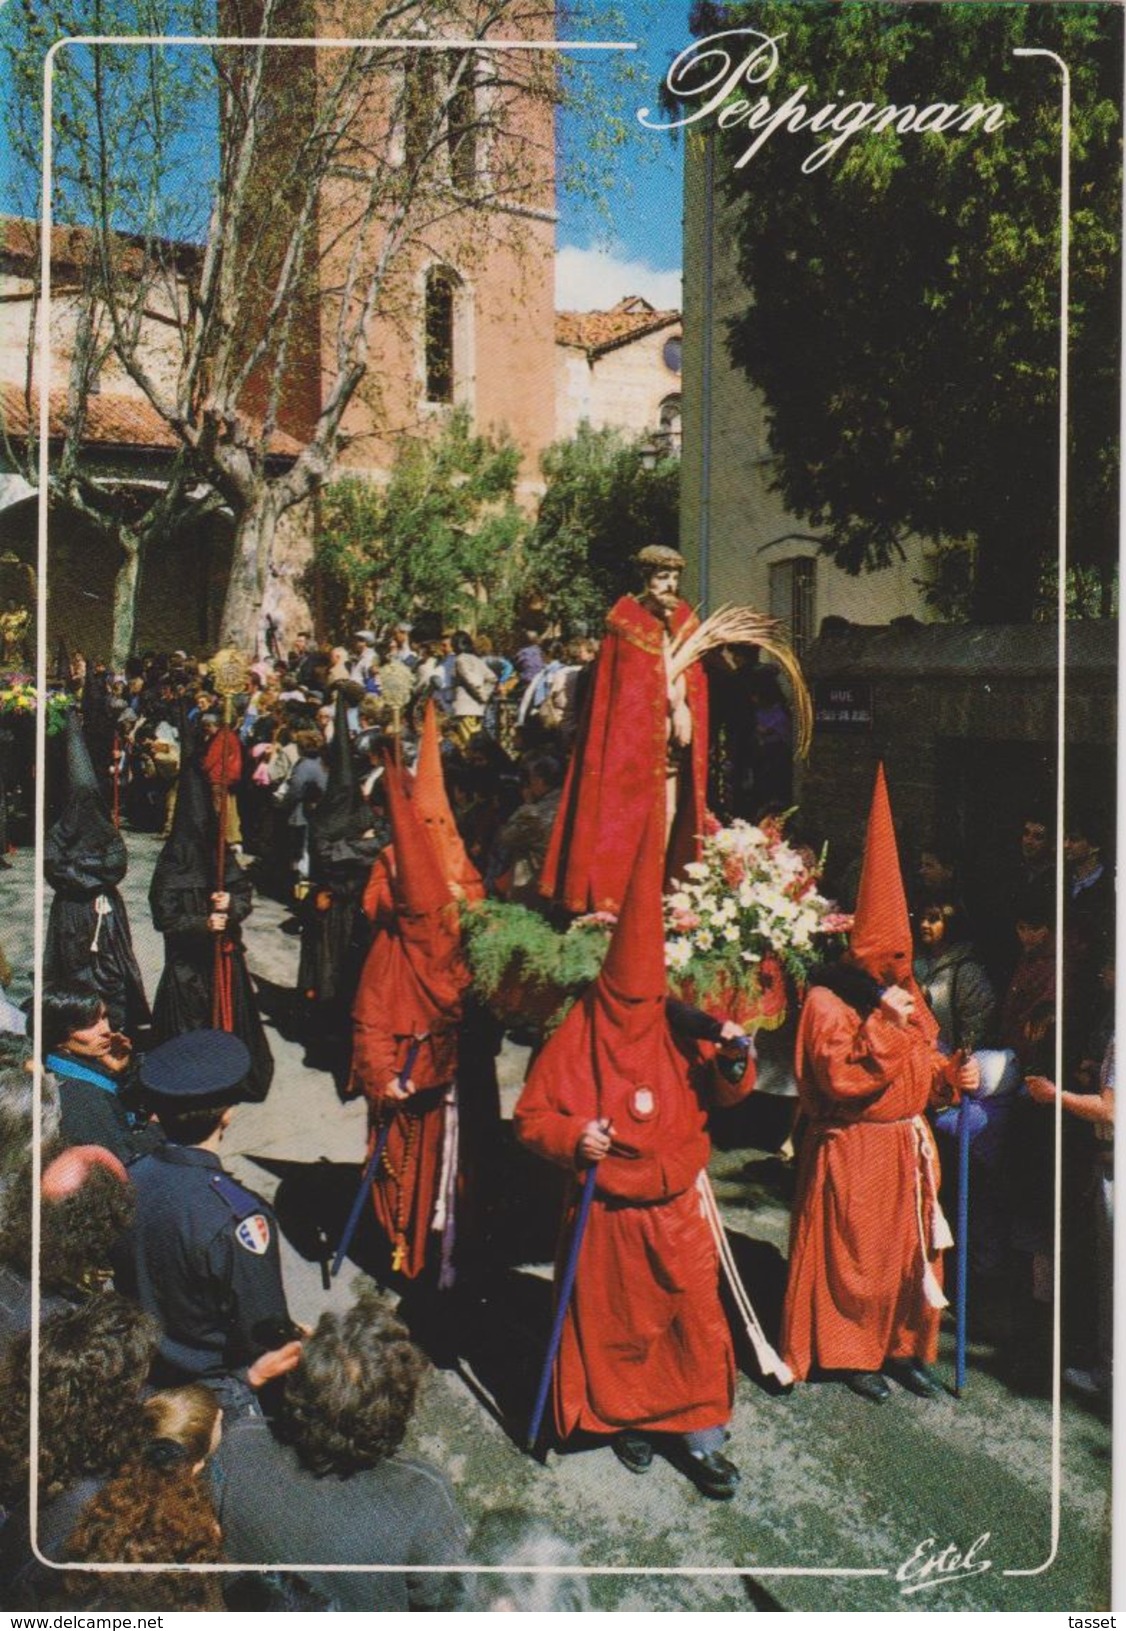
130	1473
133	1472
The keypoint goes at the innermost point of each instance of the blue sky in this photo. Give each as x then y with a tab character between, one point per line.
632	245
629	240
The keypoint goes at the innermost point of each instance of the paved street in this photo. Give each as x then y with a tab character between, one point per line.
836	1493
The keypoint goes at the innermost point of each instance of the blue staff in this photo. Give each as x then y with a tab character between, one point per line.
962	1256
373	1165
566	1286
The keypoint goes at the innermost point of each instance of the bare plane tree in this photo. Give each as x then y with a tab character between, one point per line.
332	174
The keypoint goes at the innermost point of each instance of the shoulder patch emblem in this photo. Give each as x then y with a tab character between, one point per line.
253	1233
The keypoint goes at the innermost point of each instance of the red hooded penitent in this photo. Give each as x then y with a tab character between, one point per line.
646	1344
410	990
428	795
867	1232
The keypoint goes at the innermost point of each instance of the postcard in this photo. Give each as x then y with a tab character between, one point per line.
650	474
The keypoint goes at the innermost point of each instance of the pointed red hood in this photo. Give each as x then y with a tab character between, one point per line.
420	882
614	1057
428	795
881	932
635	962
415	968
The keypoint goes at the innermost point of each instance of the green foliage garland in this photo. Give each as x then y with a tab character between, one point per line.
505	943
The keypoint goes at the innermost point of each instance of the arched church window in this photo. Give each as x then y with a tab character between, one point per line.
420	106
441	302
668	424
461	122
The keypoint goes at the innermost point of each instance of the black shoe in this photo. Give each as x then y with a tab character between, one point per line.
915	1377
869	1384
712	1473
633	1450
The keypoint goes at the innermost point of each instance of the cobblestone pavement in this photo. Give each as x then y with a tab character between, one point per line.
836	1494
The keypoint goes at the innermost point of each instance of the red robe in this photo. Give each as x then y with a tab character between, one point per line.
223	754
866	1225
1028	1013
646	1344
617	770
411	986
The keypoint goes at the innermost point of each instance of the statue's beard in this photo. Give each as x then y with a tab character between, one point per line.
662	605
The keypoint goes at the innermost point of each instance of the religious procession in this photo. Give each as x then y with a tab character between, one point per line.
547	947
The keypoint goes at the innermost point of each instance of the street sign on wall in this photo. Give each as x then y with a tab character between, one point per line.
842	706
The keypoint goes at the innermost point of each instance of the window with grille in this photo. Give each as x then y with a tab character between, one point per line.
461	126
668	433
793	597
420	105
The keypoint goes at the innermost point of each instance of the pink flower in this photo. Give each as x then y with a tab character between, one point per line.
595	920
711	825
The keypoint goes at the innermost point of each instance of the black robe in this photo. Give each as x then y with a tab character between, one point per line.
112	968
335	934
180	898
84	860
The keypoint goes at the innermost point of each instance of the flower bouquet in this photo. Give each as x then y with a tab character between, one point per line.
18	696
746	915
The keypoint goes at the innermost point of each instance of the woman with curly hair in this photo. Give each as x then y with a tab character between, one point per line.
87	1207
93	1363
156	1509
327	1481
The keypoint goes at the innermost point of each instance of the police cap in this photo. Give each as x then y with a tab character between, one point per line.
197	1068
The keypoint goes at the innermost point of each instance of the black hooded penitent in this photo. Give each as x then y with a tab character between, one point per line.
334	931
183	882
84	859
98	728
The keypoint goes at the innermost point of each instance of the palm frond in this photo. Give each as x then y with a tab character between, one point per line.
743	626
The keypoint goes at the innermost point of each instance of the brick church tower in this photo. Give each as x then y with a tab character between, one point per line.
446	171
443	177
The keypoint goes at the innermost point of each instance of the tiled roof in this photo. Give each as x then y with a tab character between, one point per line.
599	331
73	246
113	420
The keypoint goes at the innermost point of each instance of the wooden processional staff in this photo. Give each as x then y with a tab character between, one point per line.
228	673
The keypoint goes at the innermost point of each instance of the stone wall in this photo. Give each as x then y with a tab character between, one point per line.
734	528
964	720
623	387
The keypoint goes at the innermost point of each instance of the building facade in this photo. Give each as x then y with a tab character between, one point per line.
464	318
741	542
467	319
620	368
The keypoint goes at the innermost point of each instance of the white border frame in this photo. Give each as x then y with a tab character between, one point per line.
44	361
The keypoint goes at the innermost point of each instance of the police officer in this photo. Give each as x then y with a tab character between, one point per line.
203	1252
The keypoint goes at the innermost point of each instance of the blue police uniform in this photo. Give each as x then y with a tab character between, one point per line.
203	1255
